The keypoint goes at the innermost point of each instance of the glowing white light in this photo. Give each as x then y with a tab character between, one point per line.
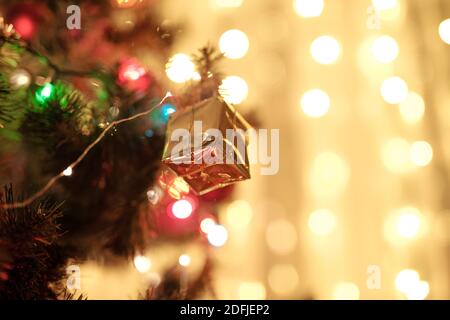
182	209
385	49
68	172
346	291
233	89
308	8
184	260
381	5
394	90
406	280
444	31
207	224
142	264
234	44
421	153
322	222
217	236
412	108
419	291
315	103
325	50
180	68
408	222
20	78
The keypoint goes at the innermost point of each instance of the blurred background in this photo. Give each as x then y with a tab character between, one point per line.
359	90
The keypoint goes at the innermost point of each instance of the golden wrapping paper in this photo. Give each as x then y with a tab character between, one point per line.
206	145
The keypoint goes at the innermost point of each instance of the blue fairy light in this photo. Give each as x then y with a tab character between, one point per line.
166	110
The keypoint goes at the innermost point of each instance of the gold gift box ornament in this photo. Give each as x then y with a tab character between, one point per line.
206	145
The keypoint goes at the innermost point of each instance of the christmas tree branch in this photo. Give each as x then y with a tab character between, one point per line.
73	165
59	71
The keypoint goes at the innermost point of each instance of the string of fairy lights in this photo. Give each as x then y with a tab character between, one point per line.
329	172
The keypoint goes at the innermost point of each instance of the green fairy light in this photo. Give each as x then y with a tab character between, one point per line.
45	93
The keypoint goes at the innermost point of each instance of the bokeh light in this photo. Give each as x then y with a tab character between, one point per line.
444	31
308	8
180	68
182	209
421	153
281	236
385	49
406	279
394	90
322	222
315	103
412	108
233	89
217	235
25	26
419	291
207	224
325	50
404	225
408	222
408	282
239	214
234	44
395	154
142	264
45	93
346	291
283	278
184	260
20	78
329	174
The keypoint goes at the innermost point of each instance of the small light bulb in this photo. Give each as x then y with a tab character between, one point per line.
68	172
182	209
184	260
142	264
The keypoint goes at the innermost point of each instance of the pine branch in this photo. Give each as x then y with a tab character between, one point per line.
35	260
65	116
